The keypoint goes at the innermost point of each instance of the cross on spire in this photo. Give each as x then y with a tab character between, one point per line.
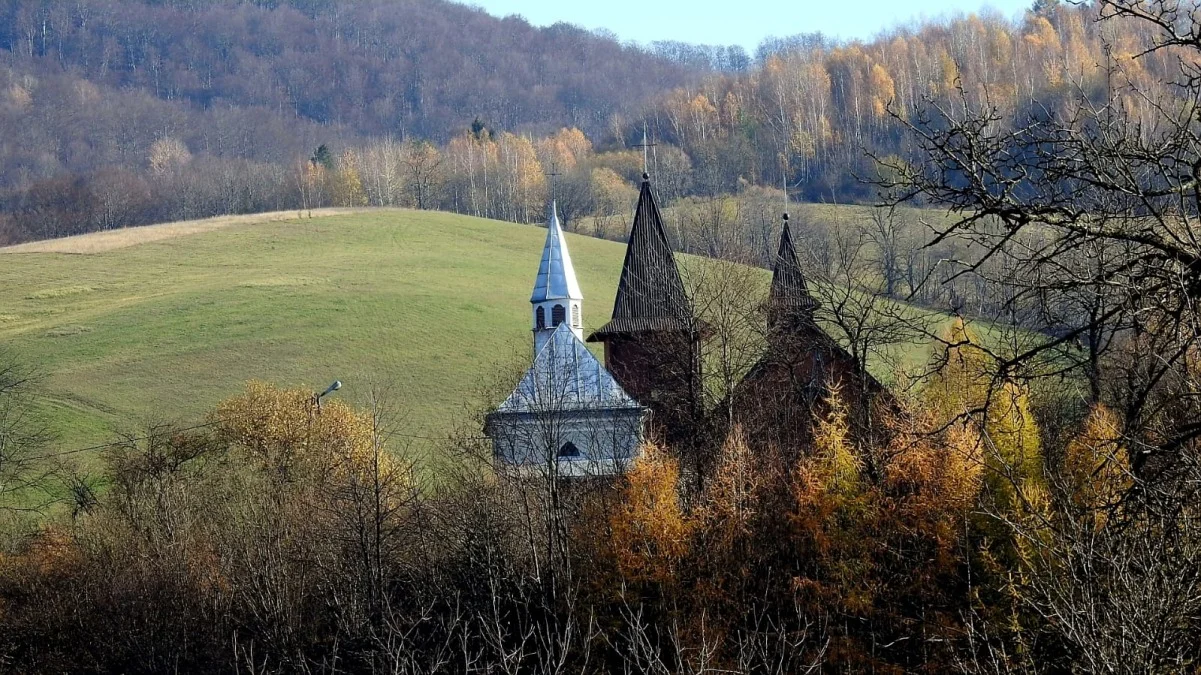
785	196
645	145
553	174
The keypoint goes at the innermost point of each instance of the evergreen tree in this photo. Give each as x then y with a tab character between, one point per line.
323	157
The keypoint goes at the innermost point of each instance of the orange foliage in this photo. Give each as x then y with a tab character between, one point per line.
565	149
882	89
936	480
1095	464
650	529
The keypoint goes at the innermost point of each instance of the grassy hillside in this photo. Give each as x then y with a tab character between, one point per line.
159	323
425	302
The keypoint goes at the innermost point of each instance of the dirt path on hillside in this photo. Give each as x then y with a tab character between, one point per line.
99	242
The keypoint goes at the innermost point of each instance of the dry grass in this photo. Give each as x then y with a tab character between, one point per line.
99	242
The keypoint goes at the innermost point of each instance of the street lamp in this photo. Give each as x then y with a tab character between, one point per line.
328	390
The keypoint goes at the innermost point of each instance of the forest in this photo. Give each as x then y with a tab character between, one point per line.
1024	501
124	113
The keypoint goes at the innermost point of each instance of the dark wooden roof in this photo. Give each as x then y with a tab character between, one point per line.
789	292
650	295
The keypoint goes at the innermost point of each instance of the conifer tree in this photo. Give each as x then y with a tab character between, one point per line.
650	528
967	389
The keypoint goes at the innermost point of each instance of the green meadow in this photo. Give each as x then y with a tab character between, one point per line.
429	306
425	304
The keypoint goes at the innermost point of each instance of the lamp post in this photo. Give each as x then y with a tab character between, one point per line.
328	390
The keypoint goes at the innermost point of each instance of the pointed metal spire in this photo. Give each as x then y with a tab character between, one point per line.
556	275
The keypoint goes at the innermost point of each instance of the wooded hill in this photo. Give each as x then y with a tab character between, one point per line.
91	84
114	113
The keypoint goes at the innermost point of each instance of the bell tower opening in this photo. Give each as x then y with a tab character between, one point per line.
556	290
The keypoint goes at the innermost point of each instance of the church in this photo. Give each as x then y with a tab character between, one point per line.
567	416
571	415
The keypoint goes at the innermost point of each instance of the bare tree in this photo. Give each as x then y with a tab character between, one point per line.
1100	185
24	465
1079	230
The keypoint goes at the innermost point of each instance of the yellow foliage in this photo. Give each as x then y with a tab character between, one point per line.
774	65
963	375
882	89
728	503
348	184
611	193
525	177
1010	427
1095	464
837	461
966	387
566	148
650	528
285	430
938	473
1039	33
950	74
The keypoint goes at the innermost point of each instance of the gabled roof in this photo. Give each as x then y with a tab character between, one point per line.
565	377
556	275
789	292
650	295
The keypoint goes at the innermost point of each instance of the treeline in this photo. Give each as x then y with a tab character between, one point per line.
422	67
93	83
90	92
284	537
814	113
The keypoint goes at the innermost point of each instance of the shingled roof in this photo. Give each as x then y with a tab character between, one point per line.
789	292
650	295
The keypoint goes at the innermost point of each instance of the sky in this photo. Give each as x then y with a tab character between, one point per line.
741	22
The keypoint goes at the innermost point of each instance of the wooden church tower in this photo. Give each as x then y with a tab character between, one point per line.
777	400
652	342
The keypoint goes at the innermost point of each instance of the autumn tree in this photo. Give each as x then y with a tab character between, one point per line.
347	189
651	528
967	388
423	164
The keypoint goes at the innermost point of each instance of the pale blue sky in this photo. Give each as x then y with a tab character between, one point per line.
743	22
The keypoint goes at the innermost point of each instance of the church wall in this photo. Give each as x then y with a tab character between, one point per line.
606	441
661	371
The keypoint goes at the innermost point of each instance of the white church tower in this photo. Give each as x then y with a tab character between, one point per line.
567	416
557	298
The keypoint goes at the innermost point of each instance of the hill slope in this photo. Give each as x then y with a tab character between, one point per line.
263	80
428	303
159	323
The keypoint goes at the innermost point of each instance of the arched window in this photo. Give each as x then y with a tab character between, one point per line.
557	315
540	318
575	316
569	450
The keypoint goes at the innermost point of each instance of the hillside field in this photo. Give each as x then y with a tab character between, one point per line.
430	305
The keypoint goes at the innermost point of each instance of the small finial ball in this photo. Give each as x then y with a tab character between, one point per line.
786	217
646	176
